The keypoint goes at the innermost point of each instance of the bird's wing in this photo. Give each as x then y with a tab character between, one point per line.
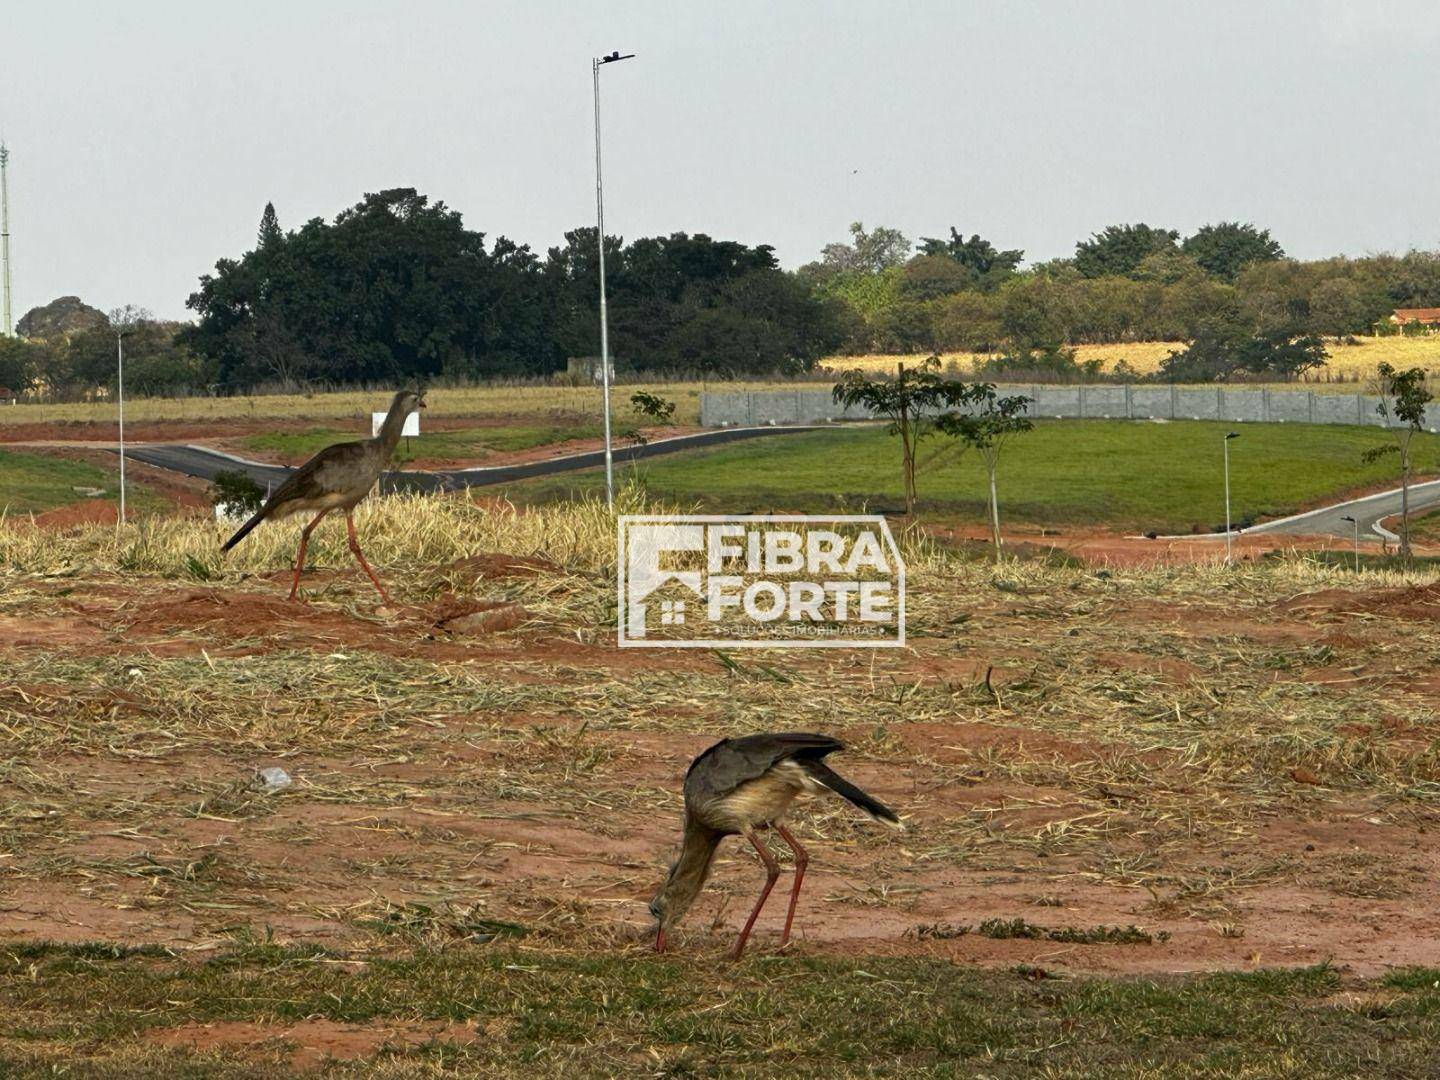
311	478
727	765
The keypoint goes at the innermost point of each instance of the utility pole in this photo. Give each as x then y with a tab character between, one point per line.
7	326
1228	550
595	63
120	399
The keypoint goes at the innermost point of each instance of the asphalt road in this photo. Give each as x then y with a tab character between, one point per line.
204	463
1368	511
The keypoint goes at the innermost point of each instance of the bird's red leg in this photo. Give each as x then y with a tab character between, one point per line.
355	549
300	559
772	871
801	861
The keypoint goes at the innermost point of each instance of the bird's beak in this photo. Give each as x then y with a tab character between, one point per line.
422	404
660	940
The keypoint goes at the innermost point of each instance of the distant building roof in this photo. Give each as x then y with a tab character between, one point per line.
1416	314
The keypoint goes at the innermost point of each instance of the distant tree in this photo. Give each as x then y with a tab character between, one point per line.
984	265
1403	397
22	363
1168	267
1223	351
1120	249
967	321
991	424
269	232
910	401
868	251
1224	249
394	288
929	277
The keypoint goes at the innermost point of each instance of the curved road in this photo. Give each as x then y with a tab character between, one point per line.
202	462
1368	510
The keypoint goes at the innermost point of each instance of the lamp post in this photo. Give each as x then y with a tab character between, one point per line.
595	63
120	398
1228	540
1355	523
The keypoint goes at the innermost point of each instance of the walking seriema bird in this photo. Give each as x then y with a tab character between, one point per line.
740	786
336	478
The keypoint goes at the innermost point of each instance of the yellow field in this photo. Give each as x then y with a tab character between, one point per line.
1144	356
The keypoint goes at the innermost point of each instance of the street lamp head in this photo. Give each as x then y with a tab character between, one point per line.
615	57
1348	518
1233	435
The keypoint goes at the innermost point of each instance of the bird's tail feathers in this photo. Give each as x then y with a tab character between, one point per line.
244	530
827	776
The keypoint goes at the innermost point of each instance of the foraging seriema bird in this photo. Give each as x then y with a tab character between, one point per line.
336	478
740	786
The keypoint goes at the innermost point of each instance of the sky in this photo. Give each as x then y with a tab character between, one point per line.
147	137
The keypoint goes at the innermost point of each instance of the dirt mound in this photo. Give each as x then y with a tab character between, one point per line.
85	512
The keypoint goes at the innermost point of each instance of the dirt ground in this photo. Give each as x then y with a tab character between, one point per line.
1243	771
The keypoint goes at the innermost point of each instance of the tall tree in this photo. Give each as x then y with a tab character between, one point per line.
868	252
1224	249
269	232
1120	249
985	265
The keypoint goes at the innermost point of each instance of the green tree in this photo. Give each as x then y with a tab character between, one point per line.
394	288
269	232
22	363
1225	249
869	251
985	266
910	401
1403	397
1223	351
990	424
1120	249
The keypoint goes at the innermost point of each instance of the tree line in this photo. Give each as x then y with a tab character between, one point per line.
397	289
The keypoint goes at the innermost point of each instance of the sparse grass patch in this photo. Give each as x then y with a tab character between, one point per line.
591	1014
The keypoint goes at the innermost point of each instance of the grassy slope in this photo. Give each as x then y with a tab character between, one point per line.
1133	475
32	482
624	1013
458	445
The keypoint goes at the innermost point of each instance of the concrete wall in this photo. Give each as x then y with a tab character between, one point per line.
759	408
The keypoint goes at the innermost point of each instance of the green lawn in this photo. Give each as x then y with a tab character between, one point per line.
460	445
85	1010
34	482
1134	475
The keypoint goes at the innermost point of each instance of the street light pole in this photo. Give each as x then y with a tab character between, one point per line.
595	63
120	396
1228	541
1355	523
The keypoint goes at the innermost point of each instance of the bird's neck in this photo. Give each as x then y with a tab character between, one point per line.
693	866
389	437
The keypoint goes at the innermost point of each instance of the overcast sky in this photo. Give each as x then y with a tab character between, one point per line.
147	137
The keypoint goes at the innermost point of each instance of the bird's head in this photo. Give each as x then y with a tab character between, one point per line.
662	910
408	401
